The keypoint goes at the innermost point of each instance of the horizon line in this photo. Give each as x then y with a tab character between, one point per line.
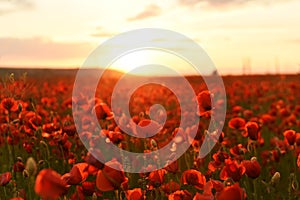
17	67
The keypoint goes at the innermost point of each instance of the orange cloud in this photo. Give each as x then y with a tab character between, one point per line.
150	11
38	48
228	3
100	32
10	6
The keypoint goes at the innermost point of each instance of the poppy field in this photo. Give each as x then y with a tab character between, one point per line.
257	155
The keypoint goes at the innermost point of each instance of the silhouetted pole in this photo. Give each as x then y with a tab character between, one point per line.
246	66
277	65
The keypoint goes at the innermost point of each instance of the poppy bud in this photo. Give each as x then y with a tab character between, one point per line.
20	159
153	143
25	173
94	196
275	179
31	166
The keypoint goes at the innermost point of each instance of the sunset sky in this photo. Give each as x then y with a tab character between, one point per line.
262	34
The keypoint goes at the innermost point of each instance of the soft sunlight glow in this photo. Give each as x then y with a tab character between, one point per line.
135	59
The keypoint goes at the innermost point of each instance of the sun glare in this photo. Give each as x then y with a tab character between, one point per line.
147	62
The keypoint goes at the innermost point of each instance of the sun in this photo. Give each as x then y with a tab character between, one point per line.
151	62
129	61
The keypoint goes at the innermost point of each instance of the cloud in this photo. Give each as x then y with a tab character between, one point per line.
100	32
41	49
11	6
149	11
213	2
228	3
295	41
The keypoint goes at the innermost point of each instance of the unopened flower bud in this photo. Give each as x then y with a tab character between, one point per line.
94	197
228	182
275	179
153	143
253	159
25	173
20	159
31	166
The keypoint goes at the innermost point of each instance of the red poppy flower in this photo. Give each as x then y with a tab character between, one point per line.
290	136
236	110
211	187
78	195
204	101
203	196
267	119
88	188
156	178
180	195
252	130
252	168
238	150
147	127
103	111
5	178
32	120
233	192
49	185
232	170
9	104
90	158
219	159
218	186
134	194
69	129
193	177
298	137
111	176
248	114
237	123
115	137
170	187
173	167
18	166
220	156
275	155
78	174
